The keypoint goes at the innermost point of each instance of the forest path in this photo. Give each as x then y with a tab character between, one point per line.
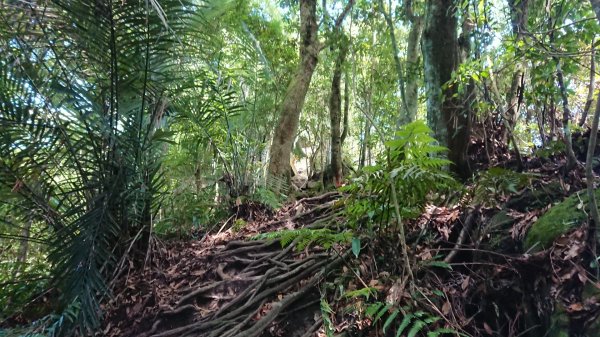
258	287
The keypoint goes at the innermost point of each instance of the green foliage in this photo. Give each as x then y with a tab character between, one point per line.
84	127
438	264
326	312
304	237
498	182
355	246
267	198
238	225
366	292
552	148
412	322
417	169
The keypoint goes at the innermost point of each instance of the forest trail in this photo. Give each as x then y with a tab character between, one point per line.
473	274
257	288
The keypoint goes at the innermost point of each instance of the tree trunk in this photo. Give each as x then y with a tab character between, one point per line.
413	55
295	95
346	108
441	57
364	144
519	11
335	114
566	118
403	111
591	87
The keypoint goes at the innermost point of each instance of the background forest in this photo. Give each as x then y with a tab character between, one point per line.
378	167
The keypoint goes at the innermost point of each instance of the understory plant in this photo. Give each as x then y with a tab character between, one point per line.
415	163
85	101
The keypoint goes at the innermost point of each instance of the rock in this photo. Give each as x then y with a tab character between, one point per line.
562	217
299	181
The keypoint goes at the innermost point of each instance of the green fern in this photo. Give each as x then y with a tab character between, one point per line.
418	168
416	322
326	312
365	292
304	237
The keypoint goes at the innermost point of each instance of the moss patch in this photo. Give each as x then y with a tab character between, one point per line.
558	220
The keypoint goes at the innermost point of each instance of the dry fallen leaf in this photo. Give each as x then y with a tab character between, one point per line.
575	307
487	329
446	308
465	283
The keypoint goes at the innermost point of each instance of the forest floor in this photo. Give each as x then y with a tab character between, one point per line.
470	274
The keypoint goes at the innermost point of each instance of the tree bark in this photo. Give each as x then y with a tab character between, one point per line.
335	114
295	95
450	124
566	118
519	12
346	109
591	87
413	60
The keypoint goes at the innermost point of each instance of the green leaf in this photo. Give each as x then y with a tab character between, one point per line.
405	322
382	312
439	264
441	331
366	292
373	308
418	326
390	319
355	246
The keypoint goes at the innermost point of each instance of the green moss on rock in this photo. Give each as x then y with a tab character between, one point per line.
561	218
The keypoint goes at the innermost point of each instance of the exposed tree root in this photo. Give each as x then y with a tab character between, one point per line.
255	283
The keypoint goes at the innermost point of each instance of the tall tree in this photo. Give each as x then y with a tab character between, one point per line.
413	59
448	121
519	11
403	113
335	112
293	101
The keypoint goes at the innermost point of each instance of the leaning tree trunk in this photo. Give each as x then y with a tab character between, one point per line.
335	114
293	101
441	57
